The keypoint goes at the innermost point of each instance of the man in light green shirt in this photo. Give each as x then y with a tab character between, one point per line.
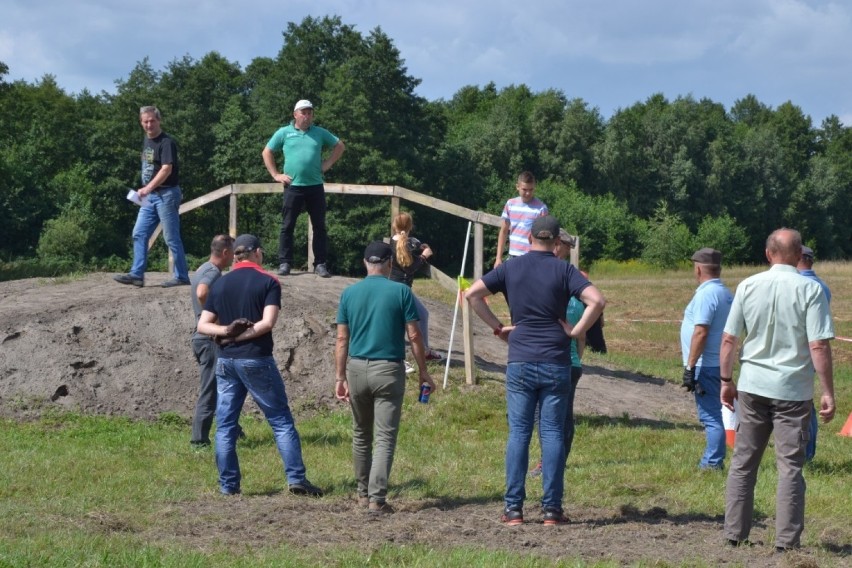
786	327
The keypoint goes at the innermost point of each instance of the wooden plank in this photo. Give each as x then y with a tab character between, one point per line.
447	207
205	199
445	281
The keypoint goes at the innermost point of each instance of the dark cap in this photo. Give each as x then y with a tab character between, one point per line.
807	251
707	256
545	228
246	243
566	238
377	252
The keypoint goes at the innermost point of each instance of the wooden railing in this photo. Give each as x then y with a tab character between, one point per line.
395	193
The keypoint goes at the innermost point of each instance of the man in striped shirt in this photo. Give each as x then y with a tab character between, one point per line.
518	216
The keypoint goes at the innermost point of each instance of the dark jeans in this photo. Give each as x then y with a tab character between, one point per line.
205	409
297	198
576	374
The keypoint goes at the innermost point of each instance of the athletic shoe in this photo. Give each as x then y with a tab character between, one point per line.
284	269
174	282
382	508
553	517
512	517
433	355
409	368
321	271
305	488
129	279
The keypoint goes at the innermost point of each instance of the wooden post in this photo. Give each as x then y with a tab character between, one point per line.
467	332
575	252
394	211
232	214
478	258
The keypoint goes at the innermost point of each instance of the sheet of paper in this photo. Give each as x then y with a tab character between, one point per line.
134	197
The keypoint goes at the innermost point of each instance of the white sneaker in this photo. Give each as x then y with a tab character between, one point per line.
409	368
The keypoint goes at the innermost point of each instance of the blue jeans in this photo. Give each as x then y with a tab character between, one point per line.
810	449
423	314
163	208
576	374
710	414
260	377
547	385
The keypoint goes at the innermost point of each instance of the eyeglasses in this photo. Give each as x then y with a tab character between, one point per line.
377	260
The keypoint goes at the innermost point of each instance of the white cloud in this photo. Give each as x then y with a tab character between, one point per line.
611	53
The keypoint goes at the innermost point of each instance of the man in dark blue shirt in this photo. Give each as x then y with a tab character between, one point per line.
539	286
246	365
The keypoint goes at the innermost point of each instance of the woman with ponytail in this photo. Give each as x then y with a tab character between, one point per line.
410	256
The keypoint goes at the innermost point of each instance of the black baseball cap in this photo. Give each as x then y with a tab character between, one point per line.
545	228
377	252
246	243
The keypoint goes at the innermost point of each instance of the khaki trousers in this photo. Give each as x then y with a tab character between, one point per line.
758	418
376	389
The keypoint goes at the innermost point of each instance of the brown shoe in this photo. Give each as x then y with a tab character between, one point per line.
382	508
363	501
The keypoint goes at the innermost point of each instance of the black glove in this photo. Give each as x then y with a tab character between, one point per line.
689	382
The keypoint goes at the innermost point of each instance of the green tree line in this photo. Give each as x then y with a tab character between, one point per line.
654	181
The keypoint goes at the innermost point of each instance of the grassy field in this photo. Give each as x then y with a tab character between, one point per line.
84	491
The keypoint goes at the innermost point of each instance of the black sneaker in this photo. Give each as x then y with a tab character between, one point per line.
554	517
512	517
305	488
174	282
284	269
129	279
321	271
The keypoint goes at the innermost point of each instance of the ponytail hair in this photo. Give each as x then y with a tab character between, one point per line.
401	228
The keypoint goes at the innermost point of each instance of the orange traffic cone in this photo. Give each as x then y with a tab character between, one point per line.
847	428
729	419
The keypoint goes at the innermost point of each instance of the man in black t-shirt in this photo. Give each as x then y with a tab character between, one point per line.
161	197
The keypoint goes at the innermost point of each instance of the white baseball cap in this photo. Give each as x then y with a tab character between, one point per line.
304	103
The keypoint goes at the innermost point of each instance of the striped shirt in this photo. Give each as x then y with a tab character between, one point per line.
520	216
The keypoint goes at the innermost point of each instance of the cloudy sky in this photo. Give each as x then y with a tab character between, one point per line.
611	53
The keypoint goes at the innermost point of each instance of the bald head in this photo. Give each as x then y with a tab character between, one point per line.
784	246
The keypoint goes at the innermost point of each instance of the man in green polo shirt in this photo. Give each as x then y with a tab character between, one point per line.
786	327
372	317
302	144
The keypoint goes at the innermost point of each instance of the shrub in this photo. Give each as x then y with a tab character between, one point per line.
63	239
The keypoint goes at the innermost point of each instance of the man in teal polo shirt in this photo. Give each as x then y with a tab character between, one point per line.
302	144
786	324
372	317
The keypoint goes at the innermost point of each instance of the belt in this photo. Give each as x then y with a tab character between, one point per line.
370	359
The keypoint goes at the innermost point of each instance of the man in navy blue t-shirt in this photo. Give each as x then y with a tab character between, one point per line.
539	286
246	365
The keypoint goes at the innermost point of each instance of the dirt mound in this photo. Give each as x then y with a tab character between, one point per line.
96	346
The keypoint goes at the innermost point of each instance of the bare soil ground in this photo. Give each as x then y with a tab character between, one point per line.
118	350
